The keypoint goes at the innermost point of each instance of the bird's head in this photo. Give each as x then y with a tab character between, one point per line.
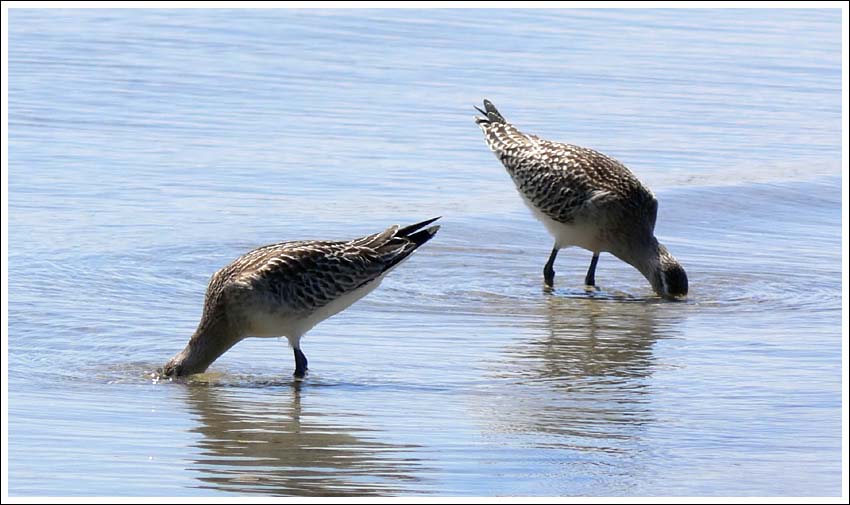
669	279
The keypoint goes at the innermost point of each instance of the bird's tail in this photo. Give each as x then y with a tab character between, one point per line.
395	244
406	240
491	114
416	234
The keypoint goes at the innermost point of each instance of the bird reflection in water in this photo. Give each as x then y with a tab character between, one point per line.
269	444
579	376
590	343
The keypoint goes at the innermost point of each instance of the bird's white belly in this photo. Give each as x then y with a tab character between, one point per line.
276	323
568	235
265	323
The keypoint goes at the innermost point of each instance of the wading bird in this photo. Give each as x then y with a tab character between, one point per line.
285	289
585	199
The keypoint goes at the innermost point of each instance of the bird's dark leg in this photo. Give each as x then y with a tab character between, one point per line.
590	279
549	270
300	363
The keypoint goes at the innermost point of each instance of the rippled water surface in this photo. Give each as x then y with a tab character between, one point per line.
147	148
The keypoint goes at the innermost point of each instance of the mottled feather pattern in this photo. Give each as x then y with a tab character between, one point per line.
285	289
302	276
564	180
584	199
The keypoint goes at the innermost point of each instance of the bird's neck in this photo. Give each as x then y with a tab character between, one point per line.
645	256
211	339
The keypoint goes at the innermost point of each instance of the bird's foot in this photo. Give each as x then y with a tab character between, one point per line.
549	279
300	365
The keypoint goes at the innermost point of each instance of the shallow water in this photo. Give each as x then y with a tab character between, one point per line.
149	148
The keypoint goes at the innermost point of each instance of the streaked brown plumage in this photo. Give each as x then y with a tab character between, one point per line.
586	199
287	288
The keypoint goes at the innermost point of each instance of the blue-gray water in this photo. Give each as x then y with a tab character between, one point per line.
149	148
